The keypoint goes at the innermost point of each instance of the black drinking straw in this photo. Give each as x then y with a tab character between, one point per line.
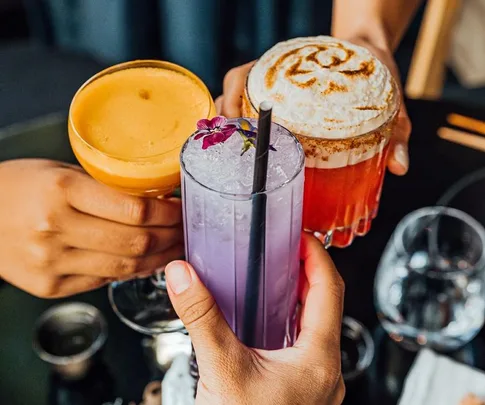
257	233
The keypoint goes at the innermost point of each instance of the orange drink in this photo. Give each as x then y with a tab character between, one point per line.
128	123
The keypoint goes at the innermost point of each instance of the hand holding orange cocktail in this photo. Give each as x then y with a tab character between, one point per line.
127	126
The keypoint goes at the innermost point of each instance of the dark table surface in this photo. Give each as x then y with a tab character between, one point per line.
435	165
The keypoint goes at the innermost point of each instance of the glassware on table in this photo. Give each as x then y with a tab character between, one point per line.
357	349
70	337
127	125
217	179
430	284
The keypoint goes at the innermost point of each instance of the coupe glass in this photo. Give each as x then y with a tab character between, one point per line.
142	304
429	287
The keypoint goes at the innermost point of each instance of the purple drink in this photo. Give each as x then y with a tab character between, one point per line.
217	176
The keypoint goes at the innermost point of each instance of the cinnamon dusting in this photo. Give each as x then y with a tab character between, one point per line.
334	88
322	149
369	108
366	69
294	70
273	70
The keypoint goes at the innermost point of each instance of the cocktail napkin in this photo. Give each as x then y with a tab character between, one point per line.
438	380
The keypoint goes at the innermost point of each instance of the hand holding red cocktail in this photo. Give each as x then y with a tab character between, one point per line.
341	102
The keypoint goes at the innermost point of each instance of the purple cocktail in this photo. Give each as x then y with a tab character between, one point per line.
217	179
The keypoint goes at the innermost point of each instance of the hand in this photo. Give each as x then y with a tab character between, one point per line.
232	374
229	105
398	161
64	233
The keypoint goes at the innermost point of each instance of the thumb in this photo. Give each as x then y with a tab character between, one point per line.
211	335
398	161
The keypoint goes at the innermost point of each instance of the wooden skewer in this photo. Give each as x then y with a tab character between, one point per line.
462	138
471	124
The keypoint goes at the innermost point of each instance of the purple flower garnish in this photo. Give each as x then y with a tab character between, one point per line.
249	132
214	131
217	130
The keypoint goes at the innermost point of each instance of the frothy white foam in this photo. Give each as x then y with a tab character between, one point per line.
323	87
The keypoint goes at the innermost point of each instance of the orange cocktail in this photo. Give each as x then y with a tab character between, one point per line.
128	123
127	126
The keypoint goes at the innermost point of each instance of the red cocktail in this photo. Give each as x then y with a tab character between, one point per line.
341	202
341	103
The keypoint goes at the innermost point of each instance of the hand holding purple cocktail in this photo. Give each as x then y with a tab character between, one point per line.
218	164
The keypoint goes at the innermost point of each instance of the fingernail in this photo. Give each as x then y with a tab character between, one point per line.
178	276
401	155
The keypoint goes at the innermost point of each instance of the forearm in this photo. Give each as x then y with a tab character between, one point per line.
382	22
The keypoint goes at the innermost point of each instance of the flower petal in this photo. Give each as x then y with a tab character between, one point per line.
222	137
201	133
203	124
245	124
207	142
228	130
218	122
249	134
219	137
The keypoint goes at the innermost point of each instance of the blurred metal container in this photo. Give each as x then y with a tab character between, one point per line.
69	337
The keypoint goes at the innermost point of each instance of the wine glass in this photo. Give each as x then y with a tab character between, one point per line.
127	125
430	284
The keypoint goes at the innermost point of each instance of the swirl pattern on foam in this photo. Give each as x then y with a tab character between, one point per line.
323	87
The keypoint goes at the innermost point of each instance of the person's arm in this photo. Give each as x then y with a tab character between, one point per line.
380	22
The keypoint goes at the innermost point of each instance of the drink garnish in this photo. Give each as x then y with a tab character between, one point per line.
217	130
214	131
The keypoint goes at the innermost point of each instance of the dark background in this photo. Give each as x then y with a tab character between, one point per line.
49	47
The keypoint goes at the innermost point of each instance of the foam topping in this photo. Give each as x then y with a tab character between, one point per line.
324	87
